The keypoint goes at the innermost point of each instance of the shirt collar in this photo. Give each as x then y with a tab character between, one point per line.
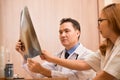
117	41
70	51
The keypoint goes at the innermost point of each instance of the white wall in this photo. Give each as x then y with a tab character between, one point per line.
116	1
108	2
46	15
111	1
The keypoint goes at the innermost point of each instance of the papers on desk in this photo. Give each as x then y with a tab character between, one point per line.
28	35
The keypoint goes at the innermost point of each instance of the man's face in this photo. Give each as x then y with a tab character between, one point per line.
68	35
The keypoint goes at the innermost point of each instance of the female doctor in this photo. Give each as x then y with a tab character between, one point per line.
106	62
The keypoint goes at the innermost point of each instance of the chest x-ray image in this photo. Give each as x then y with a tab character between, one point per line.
28	35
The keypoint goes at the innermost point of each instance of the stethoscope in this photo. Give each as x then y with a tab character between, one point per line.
60	56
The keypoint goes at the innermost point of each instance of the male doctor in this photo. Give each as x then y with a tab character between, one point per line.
69	33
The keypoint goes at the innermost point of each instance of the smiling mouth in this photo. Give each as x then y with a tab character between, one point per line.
63	40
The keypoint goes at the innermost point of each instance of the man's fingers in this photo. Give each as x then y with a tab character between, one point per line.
42	57
21	45
31	62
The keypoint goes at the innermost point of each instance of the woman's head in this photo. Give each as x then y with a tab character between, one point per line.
109	25
112	14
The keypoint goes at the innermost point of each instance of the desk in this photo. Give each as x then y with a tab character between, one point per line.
53	79
40	79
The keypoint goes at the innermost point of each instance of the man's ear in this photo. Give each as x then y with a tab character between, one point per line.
78	33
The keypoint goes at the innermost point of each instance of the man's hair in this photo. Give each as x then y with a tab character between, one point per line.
75	23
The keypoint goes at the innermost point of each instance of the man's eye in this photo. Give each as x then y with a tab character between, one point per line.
60	32
67	31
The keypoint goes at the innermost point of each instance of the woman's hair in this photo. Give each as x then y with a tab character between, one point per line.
112	13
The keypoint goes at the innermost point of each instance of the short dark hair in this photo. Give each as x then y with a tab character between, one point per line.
75	23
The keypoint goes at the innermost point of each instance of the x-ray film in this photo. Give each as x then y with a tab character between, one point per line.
28	35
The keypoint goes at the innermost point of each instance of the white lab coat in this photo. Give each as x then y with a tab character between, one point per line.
59	71
109	63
